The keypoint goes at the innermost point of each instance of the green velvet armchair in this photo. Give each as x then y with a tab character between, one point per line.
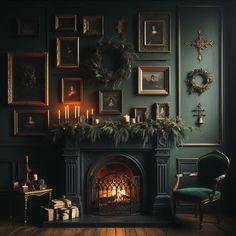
212	169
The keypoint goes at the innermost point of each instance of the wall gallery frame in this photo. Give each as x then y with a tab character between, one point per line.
154	32
28	79
67	52
72	90
110	102
93	25
31	122
140	114
66	23
153	80
162	110
28	26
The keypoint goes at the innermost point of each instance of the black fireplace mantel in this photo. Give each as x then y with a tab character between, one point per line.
160	154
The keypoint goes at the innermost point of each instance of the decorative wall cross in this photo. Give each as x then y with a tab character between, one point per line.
200	44
200	114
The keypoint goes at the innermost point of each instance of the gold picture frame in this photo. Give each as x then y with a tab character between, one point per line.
31	122
66	23
154	32
67	52
162	110
154	80
72	90
28	78
93	25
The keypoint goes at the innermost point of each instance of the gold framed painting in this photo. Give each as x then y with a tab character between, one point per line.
66	23
154	80
93	25
162	110
31	122
154	32
72	90
67	52
28	78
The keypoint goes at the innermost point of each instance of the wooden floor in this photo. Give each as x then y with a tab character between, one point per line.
185	225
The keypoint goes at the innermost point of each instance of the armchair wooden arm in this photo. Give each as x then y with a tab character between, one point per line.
217	184
180	175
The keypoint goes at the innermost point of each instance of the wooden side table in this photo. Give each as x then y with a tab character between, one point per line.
28	194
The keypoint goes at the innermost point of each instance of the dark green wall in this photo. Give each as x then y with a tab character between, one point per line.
185	20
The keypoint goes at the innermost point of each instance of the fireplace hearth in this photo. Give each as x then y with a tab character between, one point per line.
120	184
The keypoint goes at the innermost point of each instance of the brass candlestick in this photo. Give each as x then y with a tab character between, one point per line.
27	170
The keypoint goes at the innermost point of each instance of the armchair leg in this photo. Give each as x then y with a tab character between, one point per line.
174	207
200	215
218	211
196	210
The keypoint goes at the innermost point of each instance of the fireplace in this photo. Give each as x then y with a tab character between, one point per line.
115	188
125	181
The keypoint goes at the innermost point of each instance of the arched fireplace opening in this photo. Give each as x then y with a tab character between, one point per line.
115	187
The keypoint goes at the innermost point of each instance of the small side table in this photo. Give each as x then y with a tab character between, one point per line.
28	194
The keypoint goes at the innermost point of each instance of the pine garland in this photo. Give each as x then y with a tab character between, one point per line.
120	132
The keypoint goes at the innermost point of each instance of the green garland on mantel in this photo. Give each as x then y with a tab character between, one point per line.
119	131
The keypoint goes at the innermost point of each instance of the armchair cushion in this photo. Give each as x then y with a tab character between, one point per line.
196	194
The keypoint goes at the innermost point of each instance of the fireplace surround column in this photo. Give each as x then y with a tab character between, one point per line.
162	201
72	186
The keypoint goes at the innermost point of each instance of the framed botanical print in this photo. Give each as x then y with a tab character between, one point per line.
110	102
67	52
162	110
153	80
31	122
154	32
72	90
28	26
93	25
28	78
140	114
66	23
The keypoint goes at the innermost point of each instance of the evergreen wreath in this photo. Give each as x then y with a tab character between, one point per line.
207	79
126	55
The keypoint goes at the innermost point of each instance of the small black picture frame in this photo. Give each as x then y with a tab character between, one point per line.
28	26
110	102
72	90
31	122
66	23
67	52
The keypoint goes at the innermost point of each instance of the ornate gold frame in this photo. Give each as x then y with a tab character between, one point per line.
27	133
11	56
63	90
59	64
161	92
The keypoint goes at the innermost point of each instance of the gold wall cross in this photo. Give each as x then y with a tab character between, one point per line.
200	44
